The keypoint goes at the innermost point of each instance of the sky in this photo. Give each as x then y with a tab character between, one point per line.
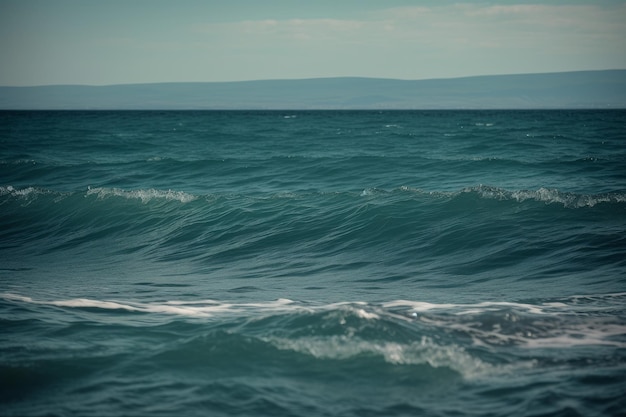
104	42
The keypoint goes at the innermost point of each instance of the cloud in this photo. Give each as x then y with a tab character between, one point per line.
511	26
416	42
516	25
441	39
270	31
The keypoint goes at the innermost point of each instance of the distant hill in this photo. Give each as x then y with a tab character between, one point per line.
582	89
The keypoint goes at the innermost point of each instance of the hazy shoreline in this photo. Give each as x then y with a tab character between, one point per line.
563	90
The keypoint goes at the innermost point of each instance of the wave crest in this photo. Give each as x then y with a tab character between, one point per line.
23	192
548	196
544	195
143	195
575	321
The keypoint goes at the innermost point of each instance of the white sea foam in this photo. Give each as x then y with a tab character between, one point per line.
203	308
198	308
143	195
536	333
19	192
548	325
422	352
358	308
544	195
548	196
461	309
599	334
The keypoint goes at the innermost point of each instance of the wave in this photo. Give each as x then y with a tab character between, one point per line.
341	329
204	308
426	344
549	196
367	218
482	232
543	195
143	195
258	358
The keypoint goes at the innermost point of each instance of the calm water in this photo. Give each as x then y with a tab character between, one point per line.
468	263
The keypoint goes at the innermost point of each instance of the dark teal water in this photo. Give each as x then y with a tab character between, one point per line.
453	263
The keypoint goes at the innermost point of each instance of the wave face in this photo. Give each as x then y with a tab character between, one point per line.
313	263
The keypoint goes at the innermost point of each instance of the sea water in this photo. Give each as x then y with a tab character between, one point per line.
327	263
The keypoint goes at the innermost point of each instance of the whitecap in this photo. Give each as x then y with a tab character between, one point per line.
422	352
197	308
18	192
144	195
554	324
548	196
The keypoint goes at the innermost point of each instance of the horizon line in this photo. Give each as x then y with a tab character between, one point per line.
356	77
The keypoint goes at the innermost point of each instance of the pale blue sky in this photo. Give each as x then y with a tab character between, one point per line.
102	42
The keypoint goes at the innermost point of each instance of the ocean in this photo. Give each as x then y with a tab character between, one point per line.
313	263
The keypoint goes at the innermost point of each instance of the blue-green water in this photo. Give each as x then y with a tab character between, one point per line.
461	263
